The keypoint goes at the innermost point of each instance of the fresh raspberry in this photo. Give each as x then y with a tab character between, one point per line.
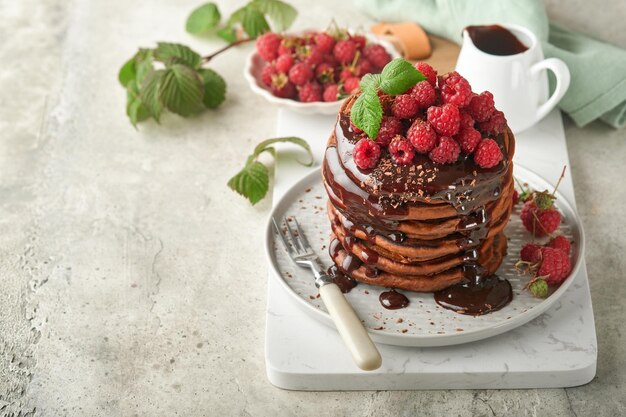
366	153
555	266
560	242
515	197
539	221
446	152
539	288
351	84
359	41
401	150
389	128
282	87
428	72
466	120
455	89
331	60
354	128
311	91
325	73
363	67
267	45
288	45
300	73
445	119
377	55
422	136
344	51
468	139
267	72
284	63
488	153
312	56
324	42
481	106
531	252
495	125
346	73
404	106
424	94
331	92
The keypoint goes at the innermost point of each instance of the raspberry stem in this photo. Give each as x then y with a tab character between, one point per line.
559	181
207	58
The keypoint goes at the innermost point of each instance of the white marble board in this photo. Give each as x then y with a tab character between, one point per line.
557	349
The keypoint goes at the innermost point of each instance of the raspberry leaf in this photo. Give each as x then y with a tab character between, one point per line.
166	51
253	22
367	113
137	67
370	82
398	76
228	34
135	109
182	90
203	19
214	88
150	93
280	13
252	181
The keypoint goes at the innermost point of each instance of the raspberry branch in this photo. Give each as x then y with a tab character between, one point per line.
207	58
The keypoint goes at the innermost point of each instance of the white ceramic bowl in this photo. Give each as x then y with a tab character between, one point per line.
254	66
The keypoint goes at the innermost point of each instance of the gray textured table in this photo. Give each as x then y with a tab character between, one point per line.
131	280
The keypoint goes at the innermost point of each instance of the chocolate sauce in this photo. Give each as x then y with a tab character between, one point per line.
393	300
344	282
476	298
495	40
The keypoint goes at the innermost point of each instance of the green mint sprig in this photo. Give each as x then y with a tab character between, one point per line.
397	77
253	180
172	77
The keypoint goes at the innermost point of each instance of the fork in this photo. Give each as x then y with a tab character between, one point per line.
354	335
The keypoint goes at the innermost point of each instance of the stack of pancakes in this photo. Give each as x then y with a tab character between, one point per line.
422	227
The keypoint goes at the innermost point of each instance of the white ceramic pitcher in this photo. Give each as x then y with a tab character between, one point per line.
518	82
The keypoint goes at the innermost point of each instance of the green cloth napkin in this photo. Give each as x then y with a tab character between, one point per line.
598	69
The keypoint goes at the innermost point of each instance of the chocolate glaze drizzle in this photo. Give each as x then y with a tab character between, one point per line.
374	201
393	300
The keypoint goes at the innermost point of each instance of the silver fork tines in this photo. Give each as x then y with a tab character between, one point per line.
299	250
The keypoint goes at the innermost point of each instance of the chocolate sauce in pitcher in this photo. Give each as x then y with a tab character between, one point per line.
495	40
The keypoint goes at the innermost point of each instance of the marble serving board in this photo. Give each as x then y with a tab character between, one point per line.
558	349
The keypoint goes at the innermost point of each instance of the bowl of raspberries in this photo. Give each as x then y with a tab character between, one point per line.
313	71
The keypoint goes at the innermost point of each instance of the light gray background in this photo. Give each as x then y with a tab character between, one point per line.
132	280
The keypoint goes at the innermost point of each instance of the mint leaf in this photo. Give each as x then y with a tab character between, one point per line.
228	34
254	22
369	82
150	93
398	76
182	90
166	51
214	88
367	113
280	13
251	182
264	146
202	19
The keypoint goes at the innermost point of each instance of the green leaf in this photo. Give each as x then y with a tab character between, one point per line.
136	68
228	34
150	93
165	51
280	13
127	72
251	182
367	113
370	82
214	88
265	146
182	90
135	110
202	19
398	76
254	22
237	16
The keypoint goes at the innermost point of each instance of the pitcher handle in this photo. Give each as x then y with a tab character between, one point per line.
561	72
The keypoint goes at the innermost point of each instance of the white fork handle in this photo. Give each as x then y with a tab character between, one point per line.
354	335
